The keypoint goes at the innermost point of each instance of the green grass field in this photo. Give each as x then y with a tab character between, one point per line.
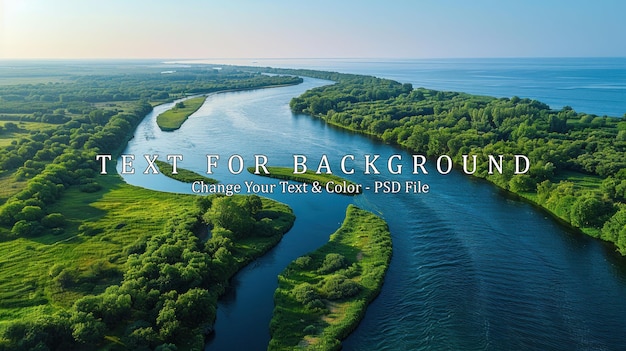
174	118
24	129
9	186
119	216
320	299
580	180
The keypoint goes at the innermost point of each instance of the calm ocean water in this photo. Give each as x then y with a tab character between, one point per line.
590	85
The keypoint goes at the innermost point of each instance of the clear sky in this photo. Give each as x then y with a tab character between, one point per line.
311	29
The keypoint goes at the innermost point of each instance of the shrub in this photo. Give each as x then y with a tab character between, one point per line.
24	228
31	213
53	220
303	261
332	262
338	287
306	294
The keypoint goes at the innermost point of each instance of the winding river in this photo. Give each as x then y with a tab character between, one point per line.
472	269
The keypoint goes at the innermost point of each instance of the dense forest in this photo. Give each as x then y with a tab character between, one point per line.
82	265
578	163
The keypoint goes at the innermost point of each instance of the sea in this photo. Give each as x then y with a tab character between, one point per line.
591	85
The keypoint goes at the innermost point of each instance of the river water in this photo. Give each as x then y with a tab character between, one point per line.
472	269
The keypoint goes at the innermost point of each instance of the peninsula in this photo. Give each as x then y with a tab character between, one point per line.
322	297
174	118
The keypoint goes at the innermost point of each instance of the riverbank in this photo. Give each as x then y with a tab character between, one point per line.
321	297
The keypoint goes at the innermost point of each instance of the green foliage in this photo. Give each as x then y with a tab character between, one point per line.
307	295
169	291
332	262
303	261
253	204
53	220
339	287
43	332
228	213
31	213
86	329
590	212
24	228
522	183
614	229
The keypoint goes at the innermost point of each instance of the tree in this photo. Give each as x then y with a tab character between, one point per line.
10	211
253	204
11	127
195	307
522	183
167	322
31	213
23	228
227	213
332	262
589	211
306	294
557	124
338	287
616	227
142	338
86	329
166	347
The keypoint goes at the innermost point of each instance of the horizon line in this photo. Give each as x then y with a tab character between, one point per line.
182	59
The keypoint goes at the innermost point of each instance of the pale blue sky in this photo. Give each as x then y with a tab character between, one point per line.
311	29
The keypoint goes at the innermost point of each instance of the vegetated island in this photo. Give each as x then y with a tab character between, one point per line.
183	175
309	177
174	118
321	297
